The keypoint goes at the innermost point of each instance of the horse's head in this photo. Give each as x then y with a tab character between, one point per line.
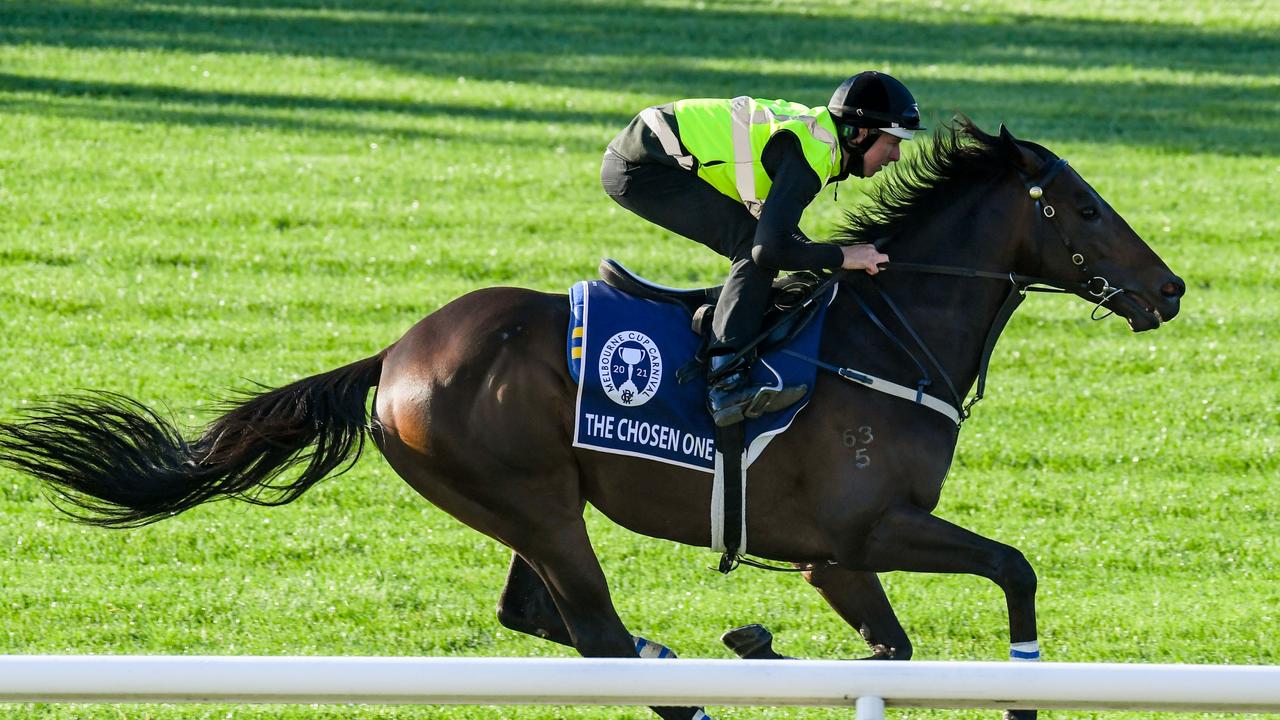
1078	239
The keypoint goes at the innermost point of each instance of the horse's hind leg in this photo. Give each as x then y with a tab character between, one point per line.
856	596
526	605
563	558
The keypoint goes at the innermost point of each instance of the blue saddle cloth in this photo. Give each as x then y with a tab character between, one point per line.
629	402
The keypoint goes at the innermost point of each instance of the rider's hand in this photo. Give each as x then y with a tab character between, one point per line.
863	257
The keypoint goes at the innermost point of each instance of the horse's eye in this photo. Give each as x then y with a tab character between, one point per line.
1089	213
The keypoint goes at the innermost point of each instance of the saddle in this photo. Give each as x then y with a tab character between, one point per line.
786	317
652	336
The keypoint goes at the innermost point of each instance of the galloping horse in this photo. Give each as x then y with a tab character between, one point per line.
474	409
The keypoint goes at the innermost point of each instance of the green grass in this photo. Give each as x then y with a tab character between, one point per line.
194	195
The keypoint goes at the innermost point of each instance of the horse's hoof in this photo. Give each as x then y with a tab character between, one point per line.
882	652
1019	715
751	642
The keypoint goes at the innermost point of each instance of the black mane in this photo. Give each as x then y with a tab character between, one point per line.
960	157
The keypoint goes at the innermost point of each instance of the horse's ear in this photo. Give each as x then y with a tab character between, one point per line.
1023	159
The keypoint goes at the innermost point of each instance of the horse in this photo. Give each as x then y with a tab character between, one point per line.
474	408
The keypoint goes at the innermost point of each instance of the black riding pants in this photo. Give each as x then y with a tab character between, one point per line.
685	204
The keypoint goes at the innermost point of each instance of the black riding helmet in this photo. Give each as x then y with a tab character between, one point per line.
873	99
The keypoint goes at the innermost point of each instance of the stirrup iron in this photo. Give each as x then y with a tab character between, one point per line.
770	399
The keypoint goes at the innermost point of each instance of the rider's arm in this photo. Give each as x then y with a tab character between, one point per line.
779	243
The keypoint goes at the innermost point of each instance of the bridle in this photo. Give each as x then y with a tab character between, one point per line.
1093	285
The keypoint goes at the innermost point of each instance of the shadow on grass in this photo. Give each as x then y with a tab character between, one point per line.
167	104
669	53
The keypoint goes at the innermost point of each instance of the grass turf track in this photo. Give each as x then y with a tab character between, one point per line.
192	195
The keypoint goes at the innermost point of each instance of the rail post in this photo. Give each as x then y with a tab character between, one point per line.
869	707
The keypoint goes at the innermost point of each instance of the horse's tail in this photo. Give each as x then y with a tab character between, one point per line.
117	463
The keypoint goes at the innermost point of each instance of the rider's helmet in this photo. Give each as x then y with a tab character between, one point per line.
875	100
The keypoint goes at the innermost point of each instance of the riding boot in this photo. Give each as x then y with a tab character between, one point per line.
732	399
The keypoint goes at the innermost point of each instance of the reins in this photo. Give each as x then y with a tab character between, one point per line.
1019	285
1095	285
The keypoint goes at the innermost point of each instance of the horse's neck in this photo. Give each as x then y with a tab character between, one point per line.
953	315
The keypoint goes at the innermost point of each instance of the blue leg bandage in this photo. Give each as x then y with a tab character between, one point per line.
1026	651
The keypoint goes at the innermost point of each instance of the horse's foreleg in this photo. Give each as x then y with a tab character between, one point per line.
858	597
910	539
564	560
907	538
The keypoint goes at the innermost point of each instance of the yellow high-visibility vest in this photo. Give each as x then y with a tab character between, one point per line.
727	137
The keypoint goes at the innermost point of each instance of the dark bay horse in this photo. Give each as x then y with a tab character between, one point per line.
474	409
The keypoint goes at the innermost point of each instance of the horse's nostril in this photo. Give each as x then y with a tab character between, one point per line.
1173	289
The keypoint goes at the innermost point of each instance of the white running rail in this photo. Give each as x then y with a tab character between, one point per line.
869	686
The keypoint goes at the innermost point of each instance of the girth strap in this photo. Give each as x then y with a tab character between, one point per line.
729	491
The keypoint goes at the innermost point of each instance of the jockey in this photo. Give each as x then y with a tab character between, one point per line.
736	175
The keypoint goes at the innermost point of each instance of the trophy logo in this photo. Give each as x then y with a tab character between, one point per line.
630	368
